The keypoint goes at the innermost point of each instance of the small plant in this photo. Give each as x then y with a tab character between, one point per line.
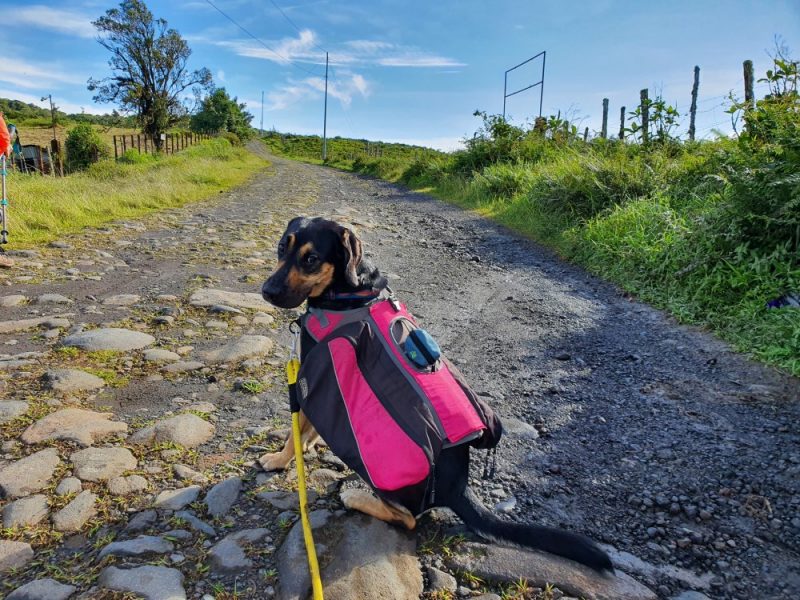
253	386
84	146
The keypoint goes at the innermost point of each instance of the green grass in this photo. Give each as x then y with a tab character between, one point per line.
45	208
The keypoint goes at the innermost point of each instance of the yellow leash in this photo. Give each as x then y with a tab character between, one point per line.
292	369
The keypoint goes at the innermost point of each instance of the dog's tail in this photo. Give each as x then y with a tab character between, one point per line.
555	541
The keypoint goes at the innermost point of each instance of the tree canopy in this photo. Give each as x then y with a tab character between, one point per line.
219	112
149	68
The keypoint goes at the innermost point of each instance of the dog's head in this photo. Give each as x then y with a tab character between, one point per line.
313	256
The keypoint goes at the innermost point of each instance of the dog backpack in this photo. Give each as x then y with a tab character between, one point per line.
378	392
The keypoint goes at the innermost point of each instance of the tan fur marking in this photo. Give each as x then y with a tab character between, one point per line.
321	280
366	502
305	249
290	240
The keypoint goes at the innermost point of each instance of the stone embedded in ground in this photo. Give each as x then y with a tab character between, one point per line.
30	474
121	300
210	297
519	428
75	514
11	409
634	564
102	464
195	523
690	595
295	582
122	486
25	511
507	565
203	407
42	589
53	299
177	499
222	496
69	485
184	472
263	319
83	427
142	520
244	347
149	582
110	338
228	556
183	366
187	430
222	309
12	300
72	380
283	500
25	324
144	544
160	355
14	555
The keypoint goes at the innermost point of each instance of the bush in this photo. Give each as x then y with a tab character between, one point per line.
232	138
134	157
84	146
504	180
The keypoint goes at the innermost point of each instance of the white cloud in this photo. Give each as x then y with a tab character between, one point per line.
221	76
34	76
411	59
344	90
55	19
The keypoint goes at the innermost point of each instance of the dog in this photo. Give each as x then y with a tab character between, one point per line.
322	262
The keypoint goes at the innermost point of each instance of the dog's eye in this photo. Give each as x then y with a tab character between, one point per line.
310	259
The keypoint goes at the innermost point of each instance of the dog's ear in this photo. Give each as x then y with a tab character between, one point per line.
352	256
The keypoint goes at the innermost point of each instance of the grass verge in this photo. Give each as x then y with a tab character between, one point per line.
44	208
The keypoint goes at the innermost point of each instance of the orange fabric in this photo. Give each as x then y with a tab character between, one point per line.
5	138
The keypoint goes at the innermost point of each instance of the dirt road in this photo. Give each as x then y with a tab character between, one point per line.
648	436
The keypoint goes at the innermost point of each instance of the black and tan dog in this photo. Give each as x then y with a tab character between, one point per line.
322	262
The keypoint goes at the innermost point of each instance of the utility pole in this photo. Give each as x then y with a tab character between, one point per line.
693	109
262	113
604	129
325	117
54	146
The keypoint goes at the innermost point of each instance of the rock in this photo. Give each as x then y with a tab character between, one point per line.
634	564
121	300
122	486
519	428
184	366
688	595
160	355
101	464
187	430
11	409
498	563
177	499
72	380
14	555
53	299
184	472
206	298
244	347
324	478
75	514
441	581
83	427
263	319
223	308
142	520
144	544
283	500
25	324
25	511
111	338
30	474
12	300
42	589
227	555
202	407
506	506
222	496
149	582
69	485
216	324
195	523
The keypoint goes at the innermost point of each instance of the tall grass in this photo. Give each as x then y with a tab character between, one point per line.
44	208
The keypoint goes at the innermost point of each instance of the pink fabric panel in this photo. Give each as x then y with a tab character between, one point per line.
391	458
317	330
454	409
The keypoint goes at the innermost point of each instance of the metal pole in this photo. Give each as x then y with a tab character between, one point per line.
3	204
541	90
505	93
262	113
325	117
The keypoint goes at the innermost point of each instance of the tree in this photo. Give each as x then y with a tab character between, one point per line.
148	64
219	112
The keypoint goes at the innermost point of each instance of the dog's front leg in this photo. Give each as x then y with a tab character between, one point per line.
278	461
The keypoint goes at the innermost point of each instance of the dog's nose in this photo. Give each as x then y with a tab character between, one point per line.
271	290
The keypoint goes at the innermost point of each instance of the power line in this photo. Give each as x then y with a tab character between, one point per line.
259	40
292	23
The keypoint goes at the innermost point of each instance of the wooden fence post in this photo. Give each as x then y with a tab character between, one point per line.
604	130
622	123
116	154
749	96
139	142
145	144
124	143
645	106
693	108
586	135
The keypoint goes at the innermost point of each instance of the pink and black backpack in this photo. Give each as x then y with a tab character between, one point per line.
375	388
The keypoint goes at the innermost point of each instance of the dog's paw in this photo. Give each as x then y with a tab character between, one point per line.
273	462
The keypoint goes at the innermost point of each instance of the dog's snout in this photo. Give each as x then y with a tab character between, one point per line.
271	289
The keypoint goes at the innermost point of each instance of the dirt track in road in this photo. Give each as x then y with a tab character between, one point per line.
649	436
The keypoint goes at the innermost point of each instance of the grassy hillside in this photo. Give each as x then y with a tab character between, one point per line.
44	208
708	230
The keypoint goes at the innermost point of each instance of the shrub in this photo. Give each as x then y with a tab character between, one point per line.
84	146
504	180
234	139
134	157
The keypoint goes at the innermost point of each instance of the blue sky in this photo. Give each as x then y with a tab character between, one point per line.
415	71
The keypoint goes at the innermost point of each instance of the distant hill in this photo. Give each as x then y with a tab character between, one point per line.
24	113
